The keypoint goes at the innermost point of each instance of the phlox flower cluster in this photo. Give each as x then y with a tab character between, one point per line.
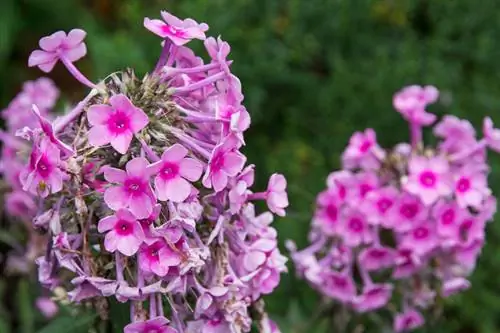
146	195
399	228
21	207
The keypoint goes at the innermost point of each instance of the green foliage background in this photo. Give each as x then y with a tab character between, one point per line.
313	71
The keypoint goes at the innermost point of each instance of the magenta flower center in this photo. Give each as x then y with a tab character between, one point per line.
44	167
463	185
152	329
378	254
118	122
332	212
342	192
365	146
339	282
124	228
169	171
421	233
168	29
409	210
356	224
153	251
217	162
384	204
408	322
428	179
448	216
134	186
365	188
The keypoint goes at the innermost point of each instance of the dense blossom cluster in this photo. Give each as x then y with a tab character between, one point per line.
404	225
21	207
145	193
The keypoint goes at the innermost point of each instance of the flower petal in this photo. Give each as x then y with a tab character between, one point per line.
121	142
99	114
191	169
99	136
175	153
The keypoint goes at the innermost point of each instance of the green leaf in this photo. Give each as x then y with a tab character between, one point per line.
4	326
69	324
25	307
119	314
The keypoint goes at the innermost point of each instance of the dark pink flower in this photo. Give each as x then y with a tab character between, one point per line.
339	286
178	31
376	258
58	46
123	232
355	229
448	216
327	215
407	211
158	257
378	204
116	123
421	239
132	188
407	321
155	325
363	151
174	172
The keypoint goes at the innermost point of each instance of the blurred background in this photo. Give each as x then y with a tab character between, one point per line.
313	71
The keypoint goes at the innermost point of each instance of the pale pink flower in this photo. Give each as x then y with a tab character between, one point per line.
41	92
448	216
378	204
407	321
374	296
422	239
58	46
174	172
363	151
354	229
458	134
428	178
225	162
277	198
471	186
454	286
123	232
42	176
116	123
327	212
178	31
47	307
156	325
362	184
377	258
491	134
132	188
158	257
257	253
407	211
340	182
411	102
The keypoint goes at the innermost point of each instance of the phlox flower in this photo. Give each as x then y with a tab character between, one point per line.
174	172
123	232
131	188
158	257
363	151
115	123
178	31
412	101
409	320
277	198
58	46
428	178
157	325
471	186
374	296
355	229
491	134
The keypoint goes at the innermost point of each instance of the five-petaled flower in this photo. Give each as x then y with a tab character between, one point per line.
123	232
116	123
178	31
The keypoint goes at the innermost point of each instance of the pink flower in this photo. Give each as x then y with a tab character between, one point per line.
42	176
327	213
428	178
174	172
362	184
116	123
225	162
47	307
407	263
412	101
158	257
374	296
59	46
156	325
378	204
48	130
448	217
408	321
355	229
471	228
238	194
422	239
471	186
132	189
178	31
340	182
491	134
124	232
458	134
407	211
339	286
454	286
258	253
363	151
41	92
376	258
277	198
